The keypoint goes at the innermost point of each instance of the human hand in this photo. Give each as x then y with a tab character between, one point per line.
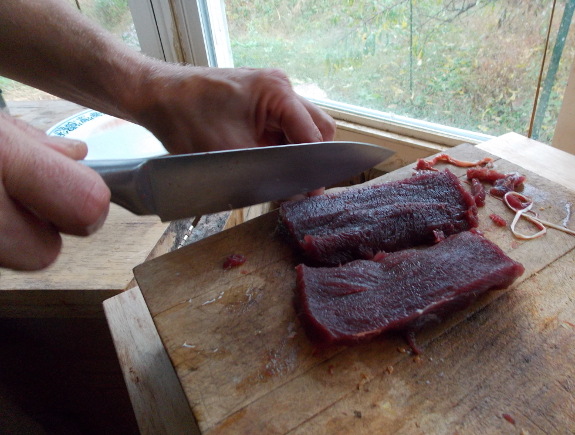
192	109
43	193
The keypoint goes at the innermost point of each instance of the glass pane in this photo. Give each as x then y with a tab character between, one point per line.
113	15
554	81
461	63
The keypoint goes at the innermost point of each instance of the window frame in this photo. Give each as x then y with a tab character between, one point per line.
564	136
179	31
195	32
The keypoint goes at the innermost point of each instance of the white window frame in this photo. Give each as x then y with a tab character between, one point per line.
195	32
179	31
564	136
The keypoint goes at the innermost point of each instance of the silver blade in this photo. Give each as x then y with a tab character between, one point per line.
197	184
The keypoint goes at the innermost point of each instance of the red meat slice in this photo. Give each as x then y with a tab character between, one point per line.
401	291
355	224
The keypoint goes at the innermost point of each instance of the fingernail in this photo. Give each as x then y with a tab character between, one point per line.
79	149
73	148
91	229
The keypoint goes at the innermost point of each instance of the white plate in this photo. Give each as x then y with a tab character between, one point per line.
108	137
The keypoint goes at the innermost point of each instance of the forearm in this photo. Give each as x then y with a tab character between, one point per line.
49	45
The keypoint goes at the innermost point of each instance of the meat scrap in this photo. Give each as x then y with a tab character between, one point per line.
478	192
521	205
485	174
429	164
502	183
498	220
404	290
508	184
234	260
333	229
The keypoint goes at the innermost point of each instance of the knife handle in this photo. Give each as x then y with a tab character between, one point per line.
128	182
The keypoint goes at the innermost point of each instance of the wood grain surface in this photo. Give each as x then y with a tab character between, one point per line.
531	155
146	368
503	366
88	270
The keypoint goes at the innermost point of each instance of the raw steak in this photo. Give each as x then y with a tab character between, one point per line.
355	224
400	291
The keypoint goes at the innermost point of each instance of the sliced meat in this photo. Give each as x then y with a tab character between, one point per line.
333	229
360	234
401	291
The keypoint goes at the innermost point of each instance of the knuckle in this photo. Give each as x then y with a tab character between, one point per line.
329	126
42	256
47	255
27	242
276	75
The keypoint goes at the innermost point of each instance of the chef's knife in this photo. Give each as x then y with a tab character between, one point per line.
181	186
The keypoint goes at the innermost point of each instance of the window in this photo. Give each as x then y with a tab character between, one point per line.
113	15
436	72
442	71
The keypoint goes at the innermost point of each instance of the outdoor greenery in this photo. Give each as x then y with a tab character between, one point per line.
463	63
469	64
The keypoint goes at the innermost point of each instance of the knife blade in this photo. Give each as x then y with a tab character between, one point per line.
180	186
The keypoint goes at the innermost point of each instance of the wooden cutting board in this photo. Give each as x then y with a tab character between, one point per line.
503	366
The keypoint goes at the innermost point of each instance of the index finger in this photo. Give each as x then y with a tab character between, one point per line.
324	122
297	123
59	190
302	121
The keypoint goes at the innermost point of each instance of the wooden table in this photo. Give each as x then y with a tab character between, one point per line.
504	366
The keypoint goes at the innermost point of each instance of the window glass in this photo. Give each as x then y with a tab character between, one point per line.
112	15
461	63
